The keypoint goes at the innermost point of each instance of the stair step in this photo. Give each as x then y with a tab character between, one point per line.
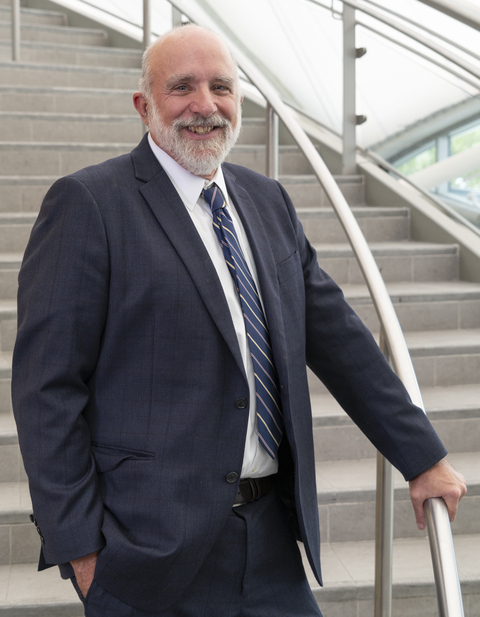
23	193
347	493
9	268
456	417
70	127
44	74
397	261
322	226
423	306
62	158
15	228
65	100
33	16
59	158
349	575
306	192
51	34
253	157
441	403
73	54
24	592
253	131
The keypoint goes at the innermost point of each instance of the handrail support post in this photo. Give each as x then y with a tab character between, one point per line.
384	538
349	166
272	143
176	17
384	527
147	24
16	30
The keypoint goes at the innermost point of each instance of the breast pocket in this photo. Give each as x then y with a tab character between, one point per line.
289	268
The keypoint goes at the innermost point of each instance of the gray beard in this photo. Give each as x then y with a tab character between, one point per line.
199	157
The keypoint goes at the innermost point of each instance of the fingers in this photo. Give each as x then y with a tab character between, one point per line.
84	569
441	480
419	515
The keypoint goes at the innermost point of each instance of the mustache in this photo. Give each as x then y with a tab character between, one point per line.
210	121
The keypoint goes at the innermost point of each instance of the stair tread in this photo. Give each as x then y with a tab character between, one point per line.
365	210
416	291
439	342
119	51
355	480
387	248
440	402
350	566
22	586
54	28
62	90
61	145
67	117
46	66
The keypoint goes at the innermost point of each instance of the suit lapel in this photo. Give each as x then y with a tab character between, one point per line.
172	215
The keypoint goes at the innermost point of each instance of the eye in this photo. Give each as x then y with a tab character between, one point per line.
221	88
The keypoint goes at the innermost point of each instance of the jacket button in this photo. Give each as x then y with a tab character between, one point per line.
42	539
232	477
241	403
33	519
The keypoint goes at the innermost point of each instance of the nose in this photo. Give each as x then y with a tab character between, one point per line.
203	102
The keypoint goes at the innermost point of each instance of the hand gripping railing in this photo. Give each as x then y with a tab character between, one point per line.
449	595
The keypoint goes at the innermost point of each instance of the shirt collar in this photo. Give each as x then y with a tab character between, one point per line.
188	186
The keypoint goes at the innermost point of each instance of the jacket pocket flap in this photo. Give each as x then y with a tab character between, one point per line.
108	458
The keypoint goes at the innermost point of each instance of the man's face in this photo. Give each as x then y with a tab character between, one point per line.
194	111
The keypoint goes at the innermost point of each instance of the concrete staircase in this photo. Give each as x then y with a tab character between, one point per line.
68	104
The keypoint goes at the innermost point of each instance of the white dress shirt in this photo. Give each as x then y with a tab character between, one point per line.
256	462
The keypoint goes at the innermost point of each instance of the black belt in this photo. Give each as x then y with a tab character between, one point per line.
250	489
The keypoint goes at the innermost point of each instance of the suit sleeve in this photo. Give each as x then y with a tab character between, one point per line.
62	307
341	351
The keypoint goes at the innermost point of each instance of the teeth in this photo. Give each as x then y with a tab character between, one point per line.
201	130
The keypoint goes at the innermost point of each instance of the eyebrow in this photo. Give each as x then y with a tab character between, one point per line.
189	77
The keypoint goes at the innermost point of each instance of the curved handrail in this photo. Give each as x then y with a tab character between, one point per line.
424	28
462	15
381	162
448	55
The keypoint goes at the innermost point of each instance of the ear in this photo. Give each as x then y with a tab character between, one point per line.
141	105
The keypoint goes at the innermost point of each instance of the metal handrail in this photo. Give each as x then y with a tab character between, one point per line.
424	28
436	201
448	55
418	53
457	13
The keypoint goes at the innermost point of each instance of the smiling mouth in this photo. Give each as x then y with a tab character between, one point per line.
201	130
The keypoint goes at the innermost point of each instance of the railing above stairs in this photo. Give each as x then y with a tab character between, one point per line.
392	341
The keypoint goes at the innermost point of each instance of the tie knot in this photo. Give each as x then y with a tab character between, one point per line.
214	198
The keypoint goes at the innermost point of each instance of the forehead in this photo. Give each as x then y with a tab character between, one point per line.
199	54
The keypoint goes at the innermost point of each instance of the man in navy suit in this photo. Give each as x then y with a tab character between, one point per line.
134	385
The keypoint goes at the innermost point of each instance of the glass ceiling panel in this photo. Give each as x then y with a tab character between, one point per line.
298	44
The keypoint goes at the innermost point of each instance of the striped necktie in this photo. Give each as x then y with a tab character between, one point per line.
269	414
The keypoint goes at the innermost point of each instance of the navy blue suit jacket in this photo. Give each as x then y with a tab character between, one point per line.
126	371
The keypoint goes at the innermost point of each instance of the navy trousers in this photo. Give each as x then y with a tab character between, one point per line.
253	570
